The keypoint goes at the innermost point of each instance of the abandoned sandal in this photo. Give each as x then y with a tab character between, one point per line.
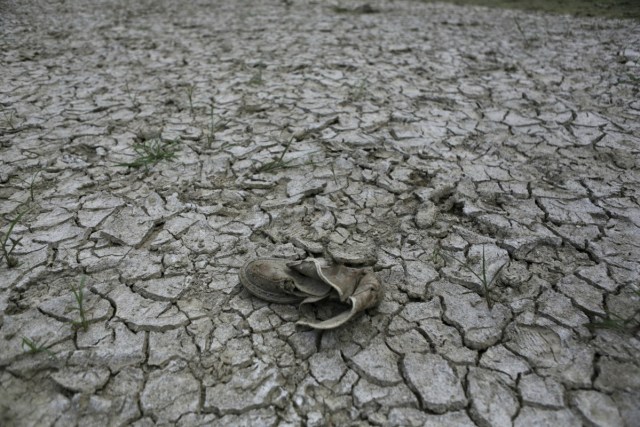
310	281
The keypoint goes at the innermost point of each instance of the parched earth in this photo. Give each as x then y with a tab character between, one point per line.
439	145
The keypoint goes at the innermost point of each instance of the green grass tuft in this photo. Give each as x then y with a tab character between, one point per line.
151	152
214	126
279	162
33	347
6	237
256	79
629	325
10	120
482	277
190	89
78	293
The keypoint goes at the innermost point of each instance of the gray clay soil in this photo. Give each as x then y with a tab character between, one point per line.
406	136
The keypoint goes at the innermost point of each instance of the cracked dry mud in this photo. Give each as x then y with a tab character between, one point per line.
420	129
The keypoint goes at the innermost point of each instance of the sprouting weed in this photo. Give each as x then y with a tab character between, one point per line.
10	120
359	92
31	185
133	96
190	89
521	31
78	293
151	152
33	347
6	238
482	277
214	126
630	324
256	79
278	163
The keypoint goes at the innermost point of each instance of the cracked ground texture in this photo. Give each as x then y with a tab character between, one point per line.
411	140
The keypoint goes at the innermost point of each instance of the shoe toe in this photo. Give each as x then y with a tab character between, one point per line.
269	279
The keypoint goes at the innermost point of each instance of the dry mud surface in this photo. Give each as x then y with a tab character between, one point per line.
416	136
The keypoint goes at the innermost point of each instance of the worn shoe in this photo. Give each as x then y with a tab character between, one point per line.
272	280
367	294
311	281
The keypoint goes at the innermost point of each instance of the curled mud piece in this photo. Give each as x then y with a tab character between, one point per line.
312	281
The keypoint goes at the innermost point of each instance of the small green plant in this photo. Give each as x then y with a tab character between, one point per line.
617	323
333	172
190	89
6	238
10	120
299	136
31	185
78	294
211	135
256	79
151	152
33	347
630	324
133	96
630	79
482	277
214	126
358	93
522	34
279	162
